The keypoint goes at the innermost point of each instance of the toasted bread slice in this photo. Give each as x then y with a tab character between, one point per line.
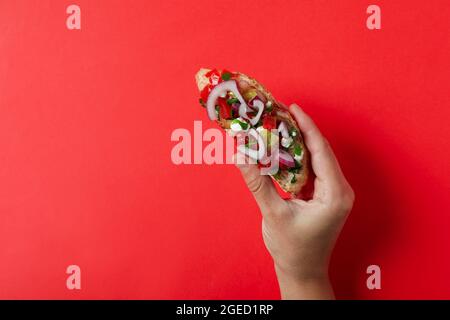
290	180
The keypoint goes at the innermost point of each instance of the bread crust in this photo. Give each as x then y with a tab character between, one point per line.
284	177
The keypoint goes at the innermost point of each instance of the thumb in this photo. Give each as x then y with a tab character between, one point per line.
261	186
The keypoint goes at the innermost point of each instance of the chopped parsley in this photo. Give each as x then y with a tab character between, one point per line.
244	125
294	179
232	100
226	76
293	170
297	149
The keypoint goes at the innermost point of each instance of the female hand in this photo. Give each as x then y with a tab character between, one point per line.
300	235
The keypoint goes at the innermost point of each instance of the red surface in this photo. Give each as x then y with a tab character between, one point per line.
85	124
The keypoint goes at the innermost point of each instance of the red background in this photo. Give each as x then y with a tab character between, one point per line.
86	117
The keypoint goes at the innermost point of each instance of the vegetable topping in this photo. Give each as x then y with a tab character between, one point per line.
223	99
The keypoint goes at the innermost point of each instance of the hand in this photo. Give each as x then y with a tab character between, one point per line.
300	235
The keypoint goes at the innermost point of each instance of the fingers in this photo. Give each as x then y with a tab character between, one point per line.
323	160
261	187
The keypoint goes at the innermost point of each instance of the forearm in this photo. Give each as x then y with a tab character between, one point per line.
299	288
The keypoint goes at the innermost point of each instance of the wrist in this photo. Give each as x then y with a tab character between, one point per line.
304	273
304	285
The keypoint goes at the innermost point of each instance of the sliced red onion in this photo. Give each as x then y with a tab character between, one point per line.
254	154
217	91
260	106
282	128
243	108
253	105
286	159
223	88
235	106
250	103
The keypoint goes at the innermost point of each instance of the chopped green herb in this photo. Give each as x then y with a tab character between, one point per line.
294	179
298	150
201	102
226	76
232	100
243	125
296	169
